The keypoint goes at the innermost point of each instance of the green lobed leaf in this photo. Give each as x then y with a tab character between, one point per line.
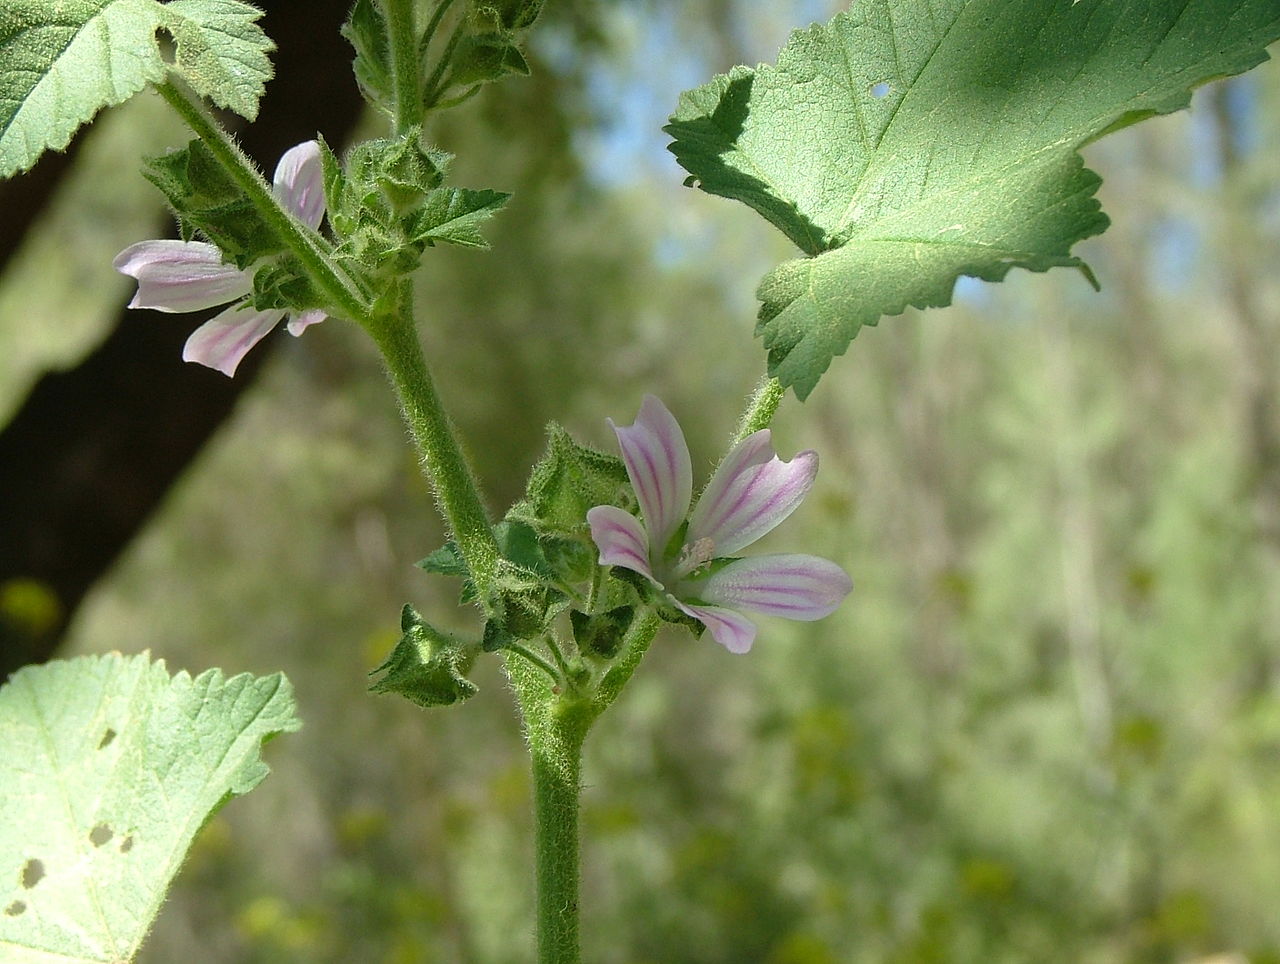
221	51
454	215
906	143
446	561
484	58
60	63
109	768
366	31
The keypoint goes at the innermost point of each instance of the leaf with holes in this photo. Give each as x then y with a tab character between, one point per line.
109	767
909	142
60	63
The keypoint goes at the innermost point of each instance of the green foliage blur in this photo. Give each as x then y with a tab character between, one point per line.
1044	727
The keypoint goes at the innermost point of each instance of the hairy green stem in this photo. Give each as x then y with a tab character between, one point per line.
457	493
557	654
311	250
402	40
636	643
761	408
557	783
556	724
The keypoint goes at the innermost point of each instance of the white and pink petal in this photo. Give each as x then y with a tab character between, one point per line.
222	341
181	275
658	464
732	630
299	182
301	322
748	497
620	538
791	585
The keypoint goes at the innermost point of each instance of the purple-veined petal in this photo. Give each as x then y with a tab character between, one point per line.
661	473
620	538
792	585
181	275
301	322
732	630
299	182
222	341
751	492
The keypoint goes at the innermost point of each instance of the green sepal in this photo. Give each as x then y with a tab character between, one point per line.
282	284
496	637
406	172
545	543
574	558
446	561
637	582
602	633
569	480
519	543
205	198
388	205
669	614
366	31
527	597
427	666
454	215
486	57
391	175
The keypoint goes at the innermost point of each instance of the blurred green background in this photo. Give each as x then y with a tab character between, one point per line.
1045	726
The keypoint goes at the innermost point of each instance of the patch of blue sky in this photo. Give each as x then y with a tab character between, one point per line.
1174	254
635	85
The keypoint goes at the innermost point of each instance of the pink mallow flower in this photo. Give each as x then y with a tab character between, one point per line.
751	492
191	275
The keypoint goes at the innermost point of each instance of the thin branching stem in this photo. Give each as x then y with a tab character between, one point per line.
436	16
525	653
435	85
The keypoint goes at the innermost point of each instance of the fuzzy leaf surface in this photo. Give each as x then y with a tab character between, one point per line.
427	667
908	142
454	215
60	63
109	768
366	31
